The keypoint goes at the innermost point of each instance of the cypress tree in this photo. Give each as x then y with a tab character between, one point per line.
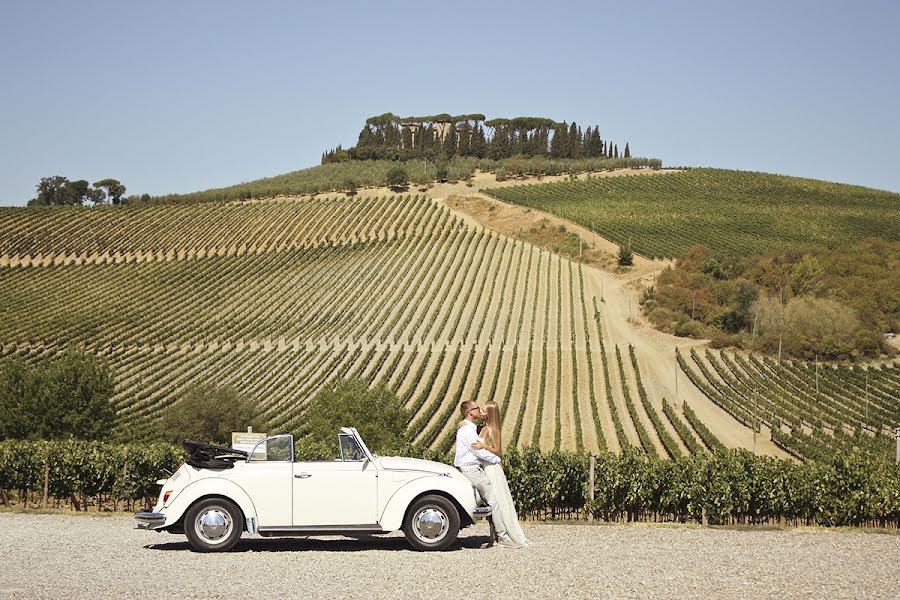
596	143
627	151
574	139
479	144
558	142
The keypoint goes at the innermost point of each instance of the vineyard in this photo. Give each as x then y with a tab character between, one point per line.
729	211
278	298
813	411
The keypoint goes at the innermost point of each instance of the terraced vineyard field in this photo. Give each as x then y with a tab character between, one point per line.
812	410
277	298
729	211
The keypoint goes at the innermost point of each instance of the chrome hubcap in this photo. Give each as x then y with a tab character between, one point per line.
214	524
430	524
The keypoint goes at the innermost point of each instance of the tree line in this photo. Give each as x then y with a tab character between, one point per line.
60	191
389	137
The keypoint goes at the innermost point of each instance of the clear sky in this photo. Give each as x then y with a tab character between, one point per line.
182	96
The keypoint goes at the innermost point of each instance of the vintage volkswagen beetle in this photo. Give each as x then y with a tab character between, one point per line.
220	492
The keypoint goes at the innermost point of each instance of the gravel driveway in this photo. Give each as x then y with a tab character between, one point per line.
59	556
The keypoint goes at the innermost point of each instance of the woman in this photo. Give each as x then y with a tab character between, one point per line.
490	440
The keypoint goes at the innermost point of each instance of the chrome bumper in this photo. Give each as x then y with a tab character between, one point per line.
482	512
149	520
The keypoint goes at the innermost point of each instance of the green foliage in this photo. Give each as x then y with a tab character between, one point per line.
66	397
376	412
114	189
832	303
207	413
397	177
625	257
59	191
728	486
83	468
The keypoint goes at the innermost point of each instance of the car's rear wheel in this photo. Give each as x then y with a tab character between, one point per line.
213	525
431	523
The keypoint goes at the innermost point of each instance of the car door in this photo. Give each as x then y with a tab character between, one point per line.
266	477
338	493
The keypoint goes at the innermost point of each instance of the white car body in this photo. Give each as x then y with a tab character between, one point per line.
357	493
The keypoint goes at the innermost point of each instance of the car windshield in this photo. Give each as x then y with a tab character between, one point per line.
350	449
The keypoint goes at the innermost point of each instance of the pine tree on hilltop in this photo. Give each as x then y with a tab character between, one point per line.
627	151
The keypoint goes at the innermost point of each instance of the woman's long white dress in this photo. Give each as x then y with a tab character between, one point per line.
504	499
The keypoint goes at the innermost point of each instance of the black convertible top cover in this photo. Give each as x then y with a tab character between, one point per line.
207	456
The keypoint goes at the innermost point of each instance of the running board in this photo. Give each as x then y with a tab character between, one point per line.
321	530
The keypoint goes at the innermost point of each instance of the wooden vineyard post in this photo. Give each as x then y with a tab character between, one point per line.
124	481
593	465
46	476
897	435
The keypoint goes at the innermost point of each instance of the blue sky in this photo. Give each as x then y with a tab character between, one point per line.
183	96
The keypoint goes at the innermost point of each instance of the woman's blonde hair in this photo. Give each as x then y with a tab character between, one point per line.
491	430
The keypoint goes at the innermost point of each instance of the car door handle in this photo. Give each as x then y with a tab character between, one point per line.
303	475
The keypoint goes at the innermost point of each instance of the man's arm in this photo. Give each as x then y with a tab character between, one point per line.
468	436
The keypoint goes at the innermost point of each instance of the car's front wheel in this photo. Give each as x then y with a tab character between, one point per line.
431	523
213	525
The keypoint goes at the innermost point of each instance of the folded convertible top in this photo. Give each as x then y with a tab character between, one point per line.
208	456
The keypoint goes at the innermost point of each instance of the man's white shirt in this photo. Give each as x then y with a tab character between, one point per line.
466	456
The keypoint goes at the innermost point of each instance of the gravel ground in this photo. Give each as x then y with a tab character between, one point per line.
61	556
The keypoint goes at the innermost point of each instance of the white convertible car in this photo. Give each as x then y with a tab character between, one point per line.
220	492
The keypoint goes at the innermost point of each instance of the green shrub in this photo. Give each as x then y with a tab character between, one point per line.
207	414
377	413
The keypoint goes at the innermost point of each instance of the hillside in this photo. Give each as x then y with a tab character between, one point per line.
277	297
731	212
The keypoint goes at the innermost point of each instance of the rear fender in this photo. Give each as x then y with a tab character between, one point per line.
203	488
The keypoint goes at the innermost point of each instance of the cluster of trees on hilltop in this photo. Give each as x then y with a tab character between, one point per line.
389	137
60	191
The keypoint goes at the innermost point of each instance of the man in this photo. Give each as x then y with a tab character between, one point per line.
471	463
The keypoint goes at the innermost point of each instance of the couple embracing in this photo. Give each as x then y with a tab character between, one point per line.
478	458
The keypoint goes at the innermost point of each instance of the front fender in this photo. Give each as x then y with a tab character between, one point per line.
395	508
212	486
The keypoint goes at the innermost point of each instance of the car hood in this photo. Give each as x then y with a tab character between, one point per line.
402	463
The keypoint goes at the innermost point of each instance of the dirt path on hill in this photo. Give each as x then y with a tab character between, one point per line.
621	320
